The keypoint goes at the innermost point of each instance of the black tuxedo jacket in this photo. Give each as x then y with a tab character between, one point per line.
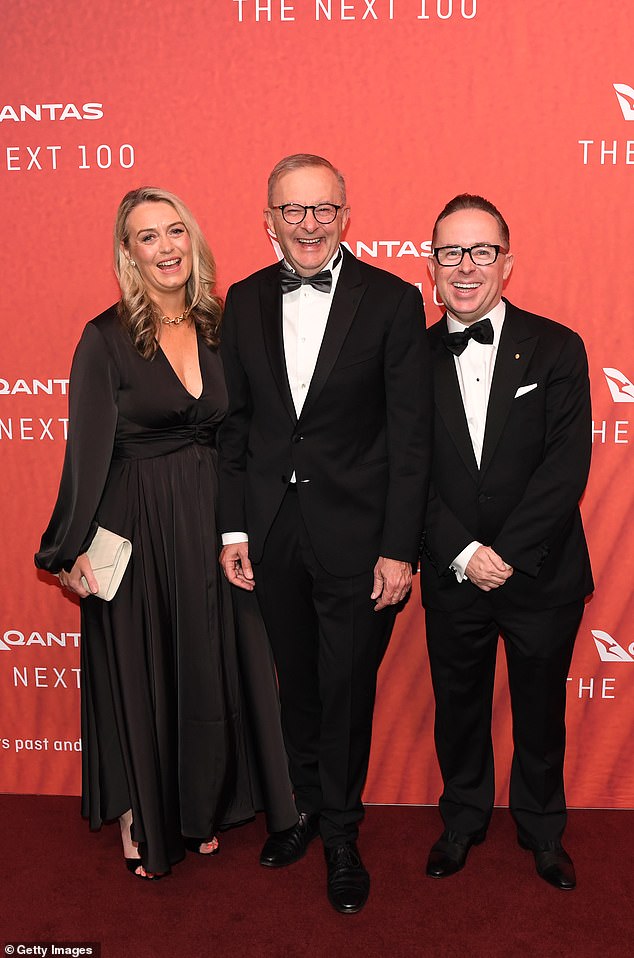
523	500
360	448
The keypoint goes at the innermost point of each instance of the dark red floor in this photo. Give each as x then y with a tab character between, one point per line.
63	883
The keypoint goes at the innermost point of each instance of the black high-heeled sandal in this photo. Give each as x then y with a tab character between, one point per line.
193	845
133	863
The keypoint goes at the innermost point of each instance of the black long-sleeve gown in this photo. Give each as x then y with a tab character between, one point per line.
165	709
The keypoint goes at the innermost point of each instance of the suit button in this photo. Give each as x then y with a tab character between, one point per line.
297	438
483	498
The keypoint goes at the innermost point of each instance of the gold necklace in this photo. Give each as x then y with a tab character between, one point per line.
177	319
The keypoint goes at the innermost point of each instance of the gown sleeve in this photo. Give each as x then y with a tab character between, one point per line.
93	389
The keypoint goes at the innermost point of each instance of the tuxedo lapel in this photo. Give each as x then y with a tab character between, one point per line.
449	400
517	344
271	313
345	302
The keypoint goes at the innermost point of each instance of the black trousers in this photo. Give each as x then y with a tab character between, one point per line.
462	652
328	643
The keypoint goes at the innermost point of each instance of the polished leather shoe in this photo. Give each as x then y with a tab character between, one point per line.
553	863
348	880
284	848
449	854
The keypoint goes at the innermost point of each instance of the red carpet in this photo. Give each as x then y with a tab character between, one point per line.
63	883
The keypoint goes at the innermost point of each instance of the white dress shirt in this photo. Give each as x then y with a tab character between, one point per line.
474	367
305	314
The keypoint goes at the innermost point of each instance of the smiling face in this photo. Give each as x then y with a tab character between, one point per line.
159	244
309	245
469	292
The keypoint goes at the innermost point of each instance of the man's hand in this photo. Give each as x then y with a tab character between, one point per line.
236	565
392	582
72	580
487	569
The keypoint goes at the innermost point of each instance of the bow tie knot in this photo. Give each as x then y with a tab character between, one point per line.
482	332
290	280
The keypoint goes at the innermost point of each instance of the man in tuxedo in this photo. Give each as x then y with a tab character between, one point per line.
504	551
323	456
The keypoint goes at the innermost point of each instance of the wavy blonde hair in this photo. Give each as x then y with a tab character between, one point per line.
138	312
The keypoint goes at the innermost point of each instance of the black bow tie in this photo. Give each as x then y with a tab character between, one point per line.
290	280
482	332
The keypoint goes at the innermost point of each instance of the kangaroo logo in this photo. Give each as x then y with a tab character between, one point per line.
625	96
620	387
609	649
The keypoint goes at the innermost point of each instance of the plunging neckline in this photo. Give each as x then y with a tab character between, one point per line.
177	377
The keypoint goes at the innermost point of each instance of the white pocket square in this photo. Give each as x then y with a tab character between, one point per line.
525	389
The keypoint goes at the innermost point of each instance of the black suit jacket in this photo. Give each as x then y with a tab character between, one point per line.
523	500
360	448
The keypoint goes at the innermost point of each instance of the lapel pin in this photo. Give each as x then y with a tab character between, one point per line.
517	355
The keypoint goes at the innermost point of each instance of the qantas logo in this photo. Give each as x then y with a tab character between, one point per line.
609	649
15	638
21	113
621	389
625	96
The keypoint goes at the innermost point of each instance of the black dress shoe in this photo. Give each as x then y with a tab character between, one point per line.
284	848
348	880
553	863
449	853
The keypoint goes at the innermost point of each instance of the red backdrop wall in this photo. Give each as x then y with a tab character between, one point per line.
415	100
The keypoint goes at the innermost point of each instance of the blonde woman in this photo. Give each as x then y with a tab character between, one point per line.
163	720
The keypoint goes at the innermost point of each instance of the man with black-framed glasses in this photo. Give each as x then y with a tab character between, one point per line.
324	464
504	551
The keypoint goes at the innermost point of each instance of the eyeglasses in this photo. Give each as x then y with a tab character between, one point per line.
484	254
293	213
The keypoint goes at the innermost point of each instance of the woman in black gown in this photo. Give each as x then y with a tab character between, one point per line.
165	724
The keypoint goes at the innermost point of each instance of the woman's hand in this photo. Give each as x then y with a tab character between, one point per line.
72	580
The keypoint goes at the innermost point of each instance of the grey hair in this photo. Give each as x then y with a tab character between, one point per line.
298	161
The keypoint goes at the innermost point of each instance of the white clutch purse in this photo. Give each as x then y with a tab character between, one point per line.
109	555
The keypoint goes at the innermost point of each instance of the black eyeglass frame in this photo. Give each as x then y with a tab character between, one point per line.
468	249
285	206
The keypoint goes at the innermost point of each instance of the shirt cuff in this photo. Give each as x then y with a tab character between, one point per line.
230	538
461	561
